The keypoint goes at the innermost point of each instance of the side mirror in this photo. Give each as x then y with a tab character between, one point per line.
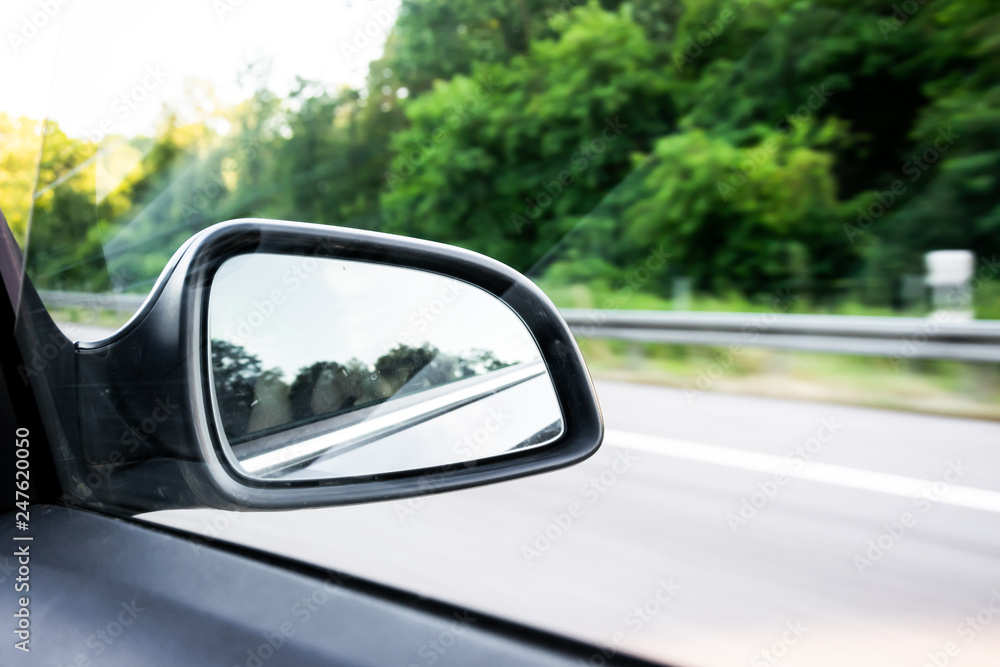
283	365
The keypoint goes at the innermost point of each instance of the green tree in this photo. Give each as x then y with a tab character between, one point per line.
508	160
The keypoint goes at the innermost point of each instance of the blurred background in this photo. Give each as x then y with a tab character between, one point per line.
658	154
689	158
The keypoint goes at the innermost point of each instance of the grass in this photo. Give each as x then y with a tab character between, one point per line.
986	302
936	387
599	296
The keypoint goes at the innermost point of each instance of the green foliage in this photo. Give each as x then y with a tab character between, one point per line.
746	139
508	160
715	206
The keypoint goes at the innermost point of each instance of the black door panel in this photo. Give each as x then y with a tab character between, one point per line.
105	591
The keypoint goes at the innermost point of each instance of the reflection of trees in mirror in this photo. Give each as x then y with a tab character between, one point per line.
253	401
236	373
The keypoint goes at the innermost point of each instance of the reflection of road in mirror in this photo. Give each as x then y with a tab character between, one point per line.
255	402
457	424
304	348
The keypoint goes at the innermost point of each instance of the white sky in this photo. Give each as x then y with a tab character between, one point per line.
75	66
293	311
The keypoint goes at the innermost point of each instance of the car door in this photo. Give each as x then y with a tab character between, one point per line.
92	586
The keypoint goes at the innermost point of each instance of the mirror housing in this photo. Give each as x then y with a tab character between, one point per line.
326	368
149	438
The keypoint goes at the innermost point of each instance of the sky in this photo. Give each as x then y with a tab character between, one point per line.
114	63
292	311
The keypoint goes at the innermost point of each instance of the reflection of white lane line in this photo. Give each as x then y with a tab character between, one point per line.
381	424
867	480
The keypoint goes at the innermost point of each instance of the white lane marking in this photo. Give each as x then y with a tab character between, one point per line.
826	473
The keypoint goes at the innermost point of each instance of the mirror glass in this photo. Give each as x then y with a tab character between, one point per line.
328	368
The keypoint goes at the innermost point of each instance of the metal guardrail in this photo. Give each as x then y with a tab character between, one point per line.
941	336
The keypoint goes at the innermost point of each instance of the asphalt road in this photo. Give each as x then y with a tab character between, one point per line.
877	543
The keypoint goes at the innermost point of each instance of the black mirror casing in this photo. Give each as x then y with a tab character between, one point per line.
149	438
